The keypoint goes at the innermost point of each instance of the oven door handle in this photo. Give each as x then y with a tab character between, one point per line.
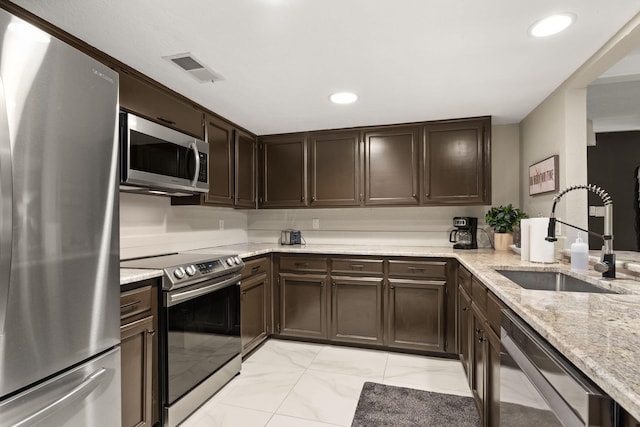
174	298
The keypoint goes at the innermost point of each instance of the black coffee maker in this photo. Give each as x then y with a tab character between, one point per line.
464	234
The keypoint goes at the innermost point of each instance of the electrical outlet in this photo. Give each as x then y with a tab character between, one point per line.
221	224
316	223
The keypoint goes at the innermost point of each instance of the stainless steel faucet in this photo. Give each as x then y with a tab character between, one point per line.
607	264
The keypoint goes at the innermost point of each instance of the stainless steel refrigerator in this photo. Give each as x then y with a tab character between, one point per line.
59	256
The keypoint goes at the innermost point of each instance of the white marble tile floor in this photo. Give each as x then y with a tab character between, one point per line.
295	384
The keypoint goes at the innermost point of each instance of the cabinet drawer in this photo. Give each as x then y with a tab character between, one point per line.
135	304
479	294
369	267
311	265
255	266
464	278
422	269
494	312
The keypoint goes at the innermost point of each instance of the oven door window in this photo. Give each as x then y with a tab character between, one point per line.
203	334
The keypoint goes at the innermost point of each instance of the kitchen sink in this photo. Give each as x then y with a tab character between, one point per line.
551	281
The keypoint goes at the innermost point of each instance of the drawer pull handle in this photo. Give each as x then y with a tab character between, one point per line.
255	268
151	332
130	306
301	264
357	266
416	268
167	121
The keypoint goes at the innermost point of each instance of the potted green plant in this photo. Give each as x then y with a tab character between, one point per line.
502	219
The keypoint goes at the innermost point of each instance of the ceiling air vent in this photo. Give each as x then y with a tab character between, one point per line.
193	66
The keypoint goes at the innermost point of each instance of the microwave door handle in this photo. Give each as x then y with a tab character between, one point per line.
196	173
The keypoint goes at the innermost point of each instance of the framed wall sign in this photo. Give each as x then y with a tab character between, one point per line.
543	176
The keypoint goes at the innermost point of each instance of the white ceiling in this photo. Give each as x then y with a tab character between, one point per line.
408	60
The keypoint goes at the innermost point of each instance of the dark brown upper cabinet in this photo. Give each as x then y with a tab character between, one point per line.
456	165
142	98
221	162
391	166
245	170
284	171
335	168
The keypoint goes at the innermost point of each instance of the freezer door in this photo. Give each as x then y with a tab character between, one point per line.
59	281
88	395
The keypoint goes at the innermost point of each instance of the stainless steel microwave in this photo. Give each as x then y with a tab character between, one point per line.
160	160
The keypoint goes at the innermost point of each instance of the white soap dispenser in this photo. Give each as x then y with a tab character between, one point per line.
579	255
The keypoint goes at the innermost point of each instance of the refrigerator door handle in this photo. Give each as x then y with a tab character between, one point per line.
78	392
6	209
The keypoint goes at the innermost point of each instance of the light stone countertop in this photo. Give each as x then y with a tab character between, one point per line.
132	275
598	333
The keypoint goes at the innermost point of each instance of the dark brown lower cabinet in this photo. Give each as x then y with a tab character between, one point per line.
626	420
416	314
356	310
478	317
136	368
254	303
464	329
303	305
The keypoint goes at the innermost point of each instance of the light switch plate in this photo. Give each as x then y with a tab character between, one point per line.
316	223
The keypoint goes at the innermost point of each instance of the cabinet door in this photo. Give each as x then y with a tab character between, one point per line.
479	362
335	168
456	163
492	391
356	310
136	372
464	329
284	171
391	166
303	305
221	162
416	314
245	170
144	99
253	311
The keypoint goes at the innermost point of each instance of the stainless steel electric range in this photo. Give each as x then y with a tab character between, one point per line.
200	343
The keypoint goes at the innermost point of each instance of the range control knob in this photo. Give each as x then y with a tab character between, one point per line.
179	273
236	259
191	270
230	261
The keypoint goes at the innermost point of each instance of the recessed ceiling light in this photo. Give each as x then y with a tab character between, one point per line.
343	98
552	25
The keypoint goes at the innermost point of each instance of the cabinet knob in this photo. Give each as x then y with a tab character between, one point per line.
333	284
465	309
426	195
478	331
313	198
414	195
151	332
302	199
482	339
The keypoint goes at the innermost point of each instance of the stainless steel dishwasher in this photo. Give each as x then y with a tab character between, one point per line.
539	387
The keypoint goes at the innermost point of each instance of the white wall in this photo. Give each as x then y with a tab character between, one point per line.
559	126
149	225
419	226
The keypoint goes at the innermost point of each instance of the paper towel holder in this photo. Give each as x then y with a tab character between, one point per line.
607	264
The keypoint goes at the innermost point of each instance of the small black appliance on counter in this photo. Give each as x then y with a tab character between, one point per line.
464	234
